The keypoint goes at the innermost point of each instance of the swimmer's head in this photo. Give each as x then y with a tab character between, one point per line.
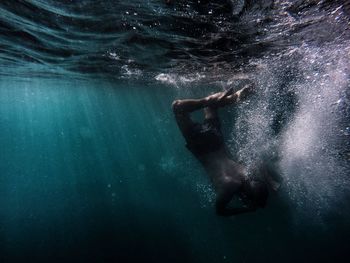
255	193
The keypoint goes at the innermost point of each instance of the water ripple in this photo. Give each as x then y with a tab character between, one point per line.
153	38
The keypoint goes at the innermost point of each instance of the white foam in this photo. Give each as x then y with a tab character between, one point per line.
177	80
315	178
309	159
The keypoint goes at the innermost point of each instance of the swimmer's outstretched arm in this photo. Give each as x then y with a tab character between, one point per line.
243	93
217	100
214	100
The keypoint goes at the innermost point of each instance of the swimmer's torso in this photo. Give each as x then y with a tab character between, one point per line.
222	170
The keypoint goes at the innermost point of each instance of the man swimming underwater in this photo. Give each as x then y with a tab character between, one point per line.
206	143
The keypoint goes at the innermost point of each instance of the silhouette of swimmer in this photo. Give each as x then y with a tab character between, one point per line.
206	142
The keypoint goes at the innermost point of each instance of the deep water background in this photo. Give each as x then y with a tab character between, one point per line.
93	167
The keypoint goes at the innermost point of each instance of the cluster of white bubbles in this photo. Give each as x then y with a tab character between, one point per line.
178	80
293	124
296	124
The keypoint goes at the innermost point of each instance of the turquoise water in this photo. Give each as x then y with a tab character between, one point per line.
94	171
93	167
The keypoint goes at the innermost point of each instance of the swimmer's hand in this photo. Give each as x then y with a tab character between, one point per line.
220	99
228	97
245	92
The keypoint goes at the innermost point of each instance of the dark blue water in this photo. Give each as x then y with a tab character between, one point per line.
93	167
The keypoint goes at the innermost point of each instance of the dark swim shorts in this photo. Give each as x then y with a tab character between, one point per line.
206	137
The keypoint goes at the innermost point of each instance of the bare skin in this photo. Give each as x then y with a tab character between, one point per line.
227	176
